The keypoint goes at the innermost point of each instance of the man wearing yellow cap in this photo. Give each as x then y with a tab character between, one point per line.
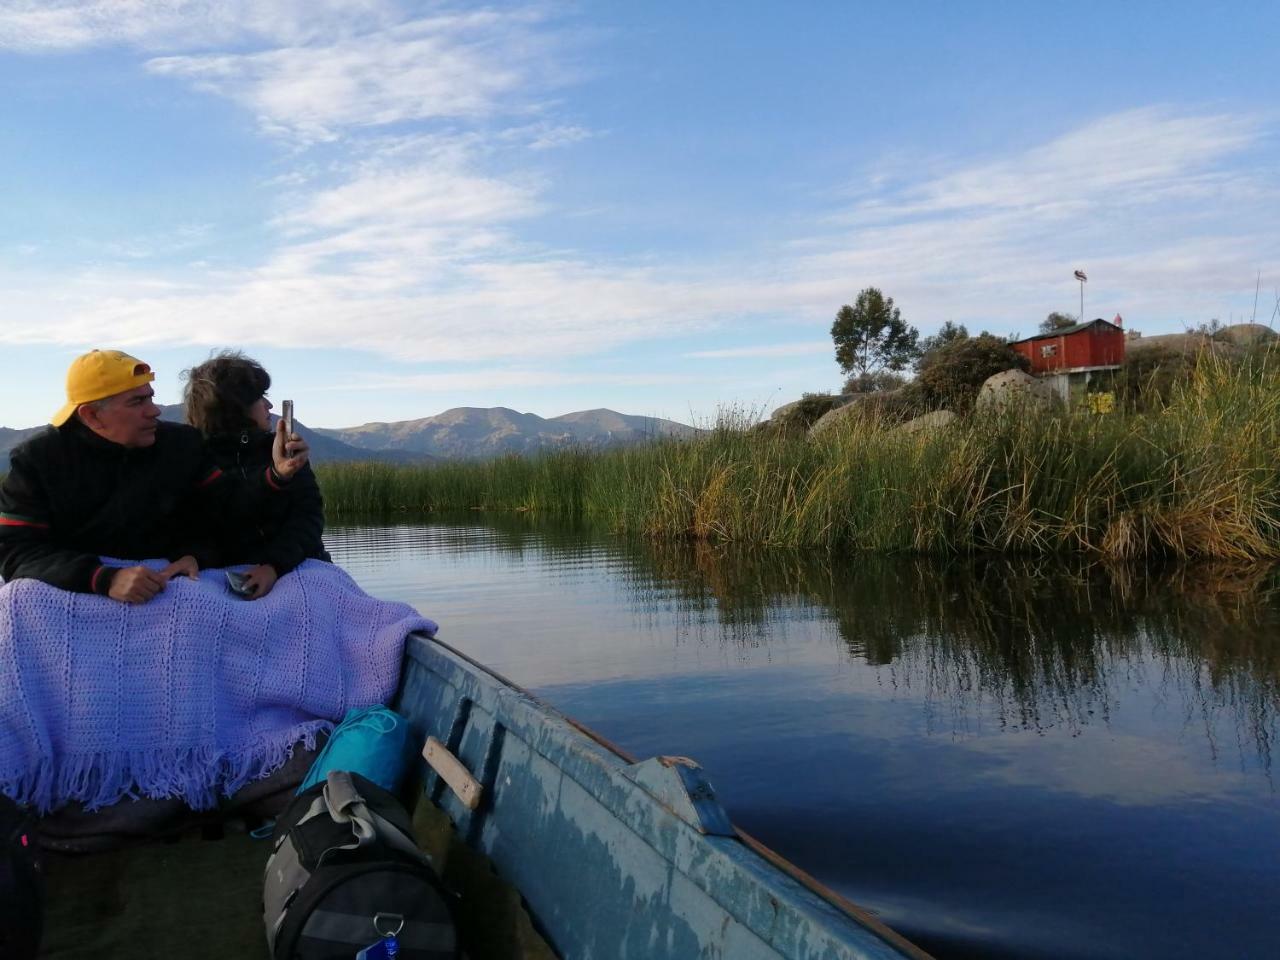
109	478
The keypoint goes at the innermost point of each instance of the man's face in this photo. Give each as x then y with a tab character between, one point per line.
129	419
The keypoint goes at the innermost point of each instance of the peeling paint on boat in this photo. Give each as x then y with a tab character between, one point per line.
617	859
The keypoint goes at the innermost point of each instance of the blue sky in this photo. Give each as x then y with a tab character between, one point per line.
655	207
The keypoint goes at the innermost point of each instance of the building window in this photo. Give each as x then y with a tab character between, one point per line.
1049	350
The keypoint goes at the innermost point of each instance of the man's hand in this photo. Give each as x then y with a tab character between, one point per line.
136	585
182	567
288	453
259	580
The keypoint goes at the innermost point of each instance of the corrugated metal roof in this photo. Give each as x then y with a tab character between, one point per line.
1067	331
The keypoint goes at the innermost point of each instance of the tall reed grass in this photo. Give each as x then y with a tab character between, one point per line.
1199	478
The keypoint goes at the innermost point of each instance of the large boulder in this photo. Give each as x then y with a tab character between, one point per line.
832	417
885	407
790	410
785	410
1013	388
797	417
927	423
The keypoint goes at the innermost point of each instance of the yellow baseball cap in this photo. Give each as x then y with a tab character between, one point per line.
99	374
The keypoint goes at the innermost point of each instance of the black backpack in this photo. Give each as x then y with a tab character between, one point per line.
21	884
344	871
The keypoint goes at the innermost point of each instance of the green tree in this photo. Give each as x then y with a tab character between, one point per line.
951	375
947	333
876	382
1056	321
871	335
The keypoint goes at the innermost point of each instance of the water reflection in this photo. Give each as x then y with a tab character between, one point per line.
1027	643
1035	644
1002	757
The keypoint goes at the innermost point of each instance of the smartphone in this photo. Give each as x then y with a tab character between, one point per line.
235	582
286	414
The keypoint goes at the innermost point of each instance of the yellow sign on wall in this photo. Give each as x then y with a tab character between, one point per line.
1102	402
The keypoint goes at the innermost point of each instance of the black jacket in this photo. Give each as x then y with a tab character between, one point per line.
72	496
288	528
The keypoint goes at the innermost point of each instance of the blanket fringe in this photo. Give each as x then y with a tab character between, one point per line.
197	776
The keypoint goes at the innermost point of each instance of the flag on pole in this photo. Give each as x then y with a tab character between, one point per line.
1118	321
1080	276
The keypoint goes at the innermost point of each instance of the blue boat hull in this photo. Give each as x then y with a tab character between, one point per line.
617	859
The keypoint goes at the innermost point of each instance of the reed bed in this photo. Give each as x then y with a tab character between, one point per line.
1196	479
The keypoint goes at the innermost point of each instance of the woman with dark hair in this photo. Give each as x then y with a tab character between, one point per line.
226	400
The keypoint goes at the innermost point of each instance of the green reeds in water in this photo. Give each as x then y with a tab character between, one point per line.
1199	478
550	483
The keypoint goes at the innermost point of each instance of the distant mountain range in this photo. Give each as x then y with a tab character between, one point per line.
466	432
460	433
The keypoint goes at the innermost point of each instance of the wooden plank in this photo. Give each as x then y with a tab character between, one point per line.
460	781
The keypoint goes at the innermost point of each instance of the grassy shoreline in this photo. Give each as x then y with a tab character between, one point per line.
1199	478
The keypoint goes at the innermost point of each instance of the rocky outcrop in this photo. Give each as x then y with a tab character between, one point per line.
928	423
785	410
1167	343
886	407
1228	342
1013	388
832	417
789	410
1245	334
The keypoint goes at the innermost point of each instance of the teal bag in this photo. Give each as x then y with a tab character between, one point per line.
375	742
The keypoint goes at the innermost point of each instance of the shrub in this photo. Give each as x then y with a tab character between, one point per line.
951	375
890	407
1149	376
875	382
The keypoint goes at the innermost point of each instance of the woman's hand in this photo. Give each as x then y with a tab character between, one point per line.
288	453
259	580
182	567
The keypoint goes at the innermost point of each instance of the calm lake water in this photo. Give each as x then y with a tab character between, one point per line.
1002	759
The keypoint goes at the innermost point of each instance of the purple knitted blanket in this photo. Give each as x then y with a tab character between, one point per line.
191	695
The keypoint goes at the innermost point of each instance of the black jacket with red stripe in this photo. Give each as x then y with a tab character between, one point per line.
71	497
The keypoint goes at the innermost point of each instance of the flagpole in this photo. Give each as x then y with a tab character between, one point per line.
1082	301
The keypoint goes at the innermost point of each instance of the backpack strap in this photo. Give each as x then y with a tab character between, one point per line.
346	805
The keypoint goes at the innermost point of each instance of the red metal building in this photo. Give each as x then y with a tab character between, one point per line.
1083	346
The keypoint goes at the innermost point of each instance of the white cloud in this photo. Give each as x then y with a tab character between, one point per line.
445	67
413	247
1161	207
803	348
486	311
424	251
428	196
45	25
550	137
1113	764
414	187
1131	158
